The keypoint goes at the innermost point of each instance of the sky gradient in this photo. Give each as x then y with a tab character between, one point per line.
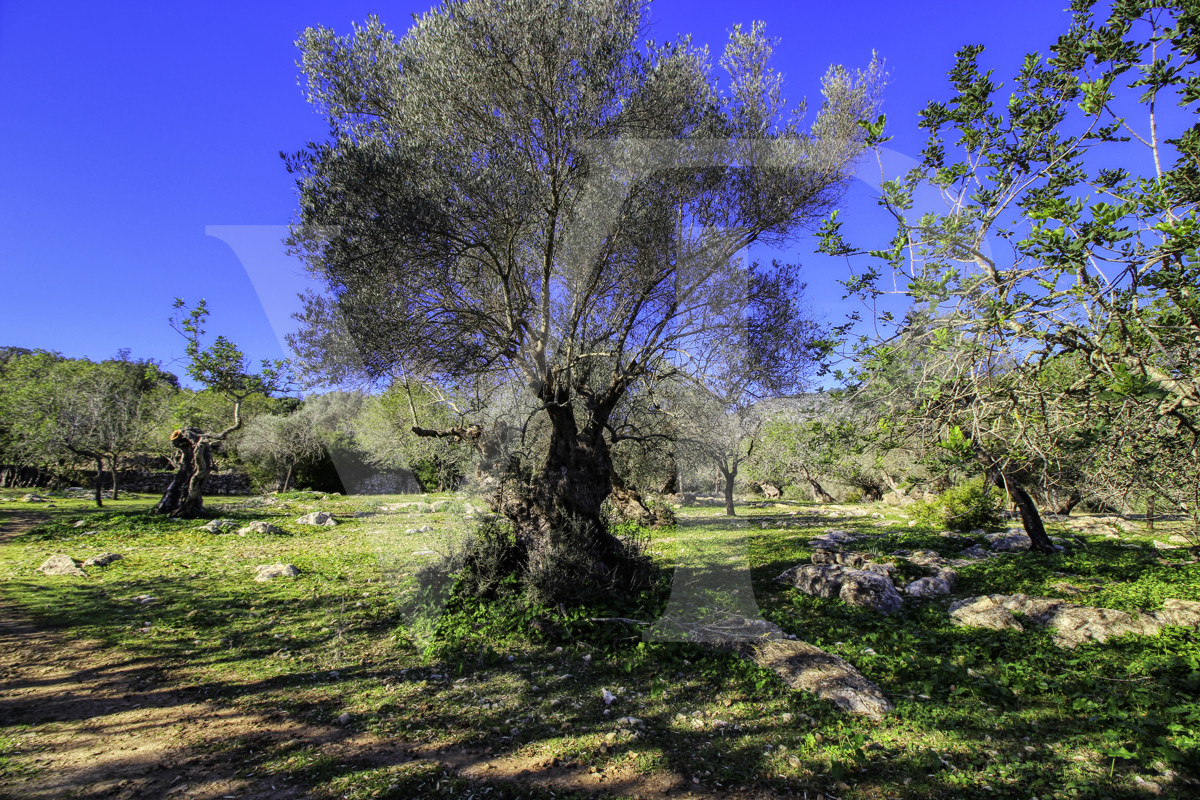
142	146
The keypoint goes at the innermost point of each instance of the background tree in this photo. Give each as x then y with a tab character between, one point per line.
386	436
501	200
68	411
778	350
280	443
1070	229
223	368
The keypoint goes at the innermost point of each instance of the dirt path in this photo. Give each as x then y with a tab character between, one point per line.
88	721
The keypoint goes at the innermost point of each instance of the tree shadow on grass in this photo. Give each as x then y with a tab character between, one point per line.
443	725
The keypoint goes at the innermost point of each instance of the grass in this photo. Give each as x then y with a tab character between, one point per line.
979	714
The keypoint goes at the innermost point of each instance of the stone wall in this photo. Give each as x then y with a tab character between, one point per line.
143	481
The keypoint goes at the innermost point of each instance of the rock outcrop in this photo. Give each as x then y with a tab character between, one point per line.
1073	624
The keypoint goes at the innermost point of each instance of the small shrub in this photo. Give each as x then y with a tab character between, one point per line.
854	496
962	508
664	513
492	558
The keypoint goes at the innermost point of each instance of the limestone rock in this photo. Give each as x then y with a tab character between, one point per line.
1037	609
1012	539
1179	612
928	587
219	526
267	572
61	565
103	560
321	518
896	497
974	552
1074	625
927	558
805	667
833	539
870	590
983	612
843	557
260	526
818	580
888	571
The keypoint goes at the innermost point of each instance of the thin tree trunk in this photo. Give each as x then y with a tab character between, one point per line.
99	481
287	479
729	476
112	465
1031	520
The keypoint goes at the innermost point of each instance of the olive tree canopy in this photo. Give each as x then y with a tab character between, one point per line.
523	190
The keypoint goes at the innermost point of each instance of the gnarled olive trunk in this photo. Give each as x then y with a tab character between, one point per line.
1068	505
670	484
571	487
819	492
184	497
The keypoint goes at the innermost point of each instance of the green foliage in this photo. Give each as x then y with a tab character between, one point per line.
60	412
1041	250
964	507
221	366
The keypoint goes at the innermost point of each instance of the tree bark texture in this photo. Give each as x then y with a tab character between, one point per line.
113	462
99	482
184	497
1069	504
1031	520
671	484
728	476
819	492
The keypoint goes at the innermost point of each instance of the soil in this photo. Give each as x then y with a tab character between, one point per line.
91	721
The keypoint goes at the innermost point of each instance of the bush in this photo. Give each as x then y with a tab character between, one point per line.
962	508
854	496
560	566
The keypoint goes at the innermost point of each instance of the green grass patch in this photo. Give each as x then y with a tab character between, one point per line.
980	714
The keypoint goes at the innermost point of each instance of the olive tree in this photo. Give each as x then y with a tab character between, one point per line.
222	367
72	411
280	443
521	192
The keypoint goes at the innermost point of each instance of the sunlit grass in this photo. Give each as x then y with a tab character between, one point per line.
974	708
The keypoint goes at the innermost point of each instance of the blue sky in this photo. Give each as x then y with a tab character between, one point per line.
141	145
